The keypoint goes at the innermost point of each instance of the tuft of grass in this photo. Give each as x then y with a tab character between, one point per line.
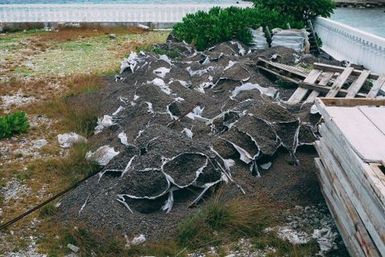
71	169
48	210
90	243
13	124
283	247
79	109
173	53
220	221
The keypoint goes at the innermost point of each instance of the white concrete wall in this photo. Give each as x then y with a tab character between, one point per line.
347	43
156	13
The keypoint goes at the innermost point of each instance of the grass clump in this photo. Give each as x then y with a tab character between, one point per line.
70	169
205	29
48	210
13	124
79	109
222	221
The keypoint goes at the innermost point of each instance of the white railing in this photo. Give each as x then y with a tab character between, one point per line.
347	43
155	13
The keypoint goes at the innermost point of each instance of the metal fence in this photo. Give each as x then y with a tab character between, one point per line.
347	43
156	13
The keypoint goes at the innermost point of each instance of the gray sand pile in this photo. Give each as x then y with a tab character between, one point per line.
176	129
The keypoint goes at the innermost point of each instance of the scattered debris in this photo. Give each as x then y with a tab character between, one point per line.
67	140
138	240
19	99
39	143
13	190
103	155
309	223
73	248
296	39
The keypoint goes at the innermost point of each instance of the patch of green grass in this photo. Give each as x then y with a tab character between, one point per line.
172	53
13	124
22	176
48	210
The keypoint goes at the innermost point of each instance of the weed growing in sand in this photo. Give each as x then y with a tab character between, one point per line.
219	221
48	210
13	124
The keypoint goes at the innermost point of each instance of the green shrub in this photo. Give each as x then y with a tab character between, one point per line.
12	124
301	10
205	29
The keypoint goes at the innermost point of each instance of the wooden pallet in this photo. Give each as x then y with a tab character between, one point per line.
286	72
351	171
329	81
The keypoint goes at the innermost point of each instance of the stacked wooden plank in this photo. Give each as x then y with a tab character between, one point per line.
351	171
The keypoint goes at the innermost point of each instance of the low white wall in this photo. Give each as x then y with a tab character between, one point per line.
155	13
347	43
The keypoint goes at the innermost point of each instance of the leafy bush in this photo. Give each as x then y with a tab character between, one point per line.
204	29
12	124
301	10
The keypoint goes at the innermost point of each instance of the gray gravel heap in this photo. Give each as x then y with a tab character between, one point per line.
182	125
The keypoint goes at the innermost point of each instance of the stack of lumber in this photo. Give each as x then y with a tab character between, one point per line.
351	171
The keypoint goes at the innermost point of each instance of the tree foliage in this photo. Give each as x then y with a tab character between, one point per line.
301	10
204	29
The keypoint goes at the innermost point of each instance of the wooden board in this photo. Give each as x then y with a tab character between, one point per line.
325	78
342	221
366	140
370	179
377	85
357	84
297	71
339	82
354	232
332	101
292	80
325	90
367	208
327	67
301	92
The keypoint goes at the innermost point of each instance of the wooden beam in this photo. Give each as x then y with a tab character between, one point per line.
280	75
301	92
324	101
299	72
325	78
325	90
378	84
327	67
339	82
357	84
